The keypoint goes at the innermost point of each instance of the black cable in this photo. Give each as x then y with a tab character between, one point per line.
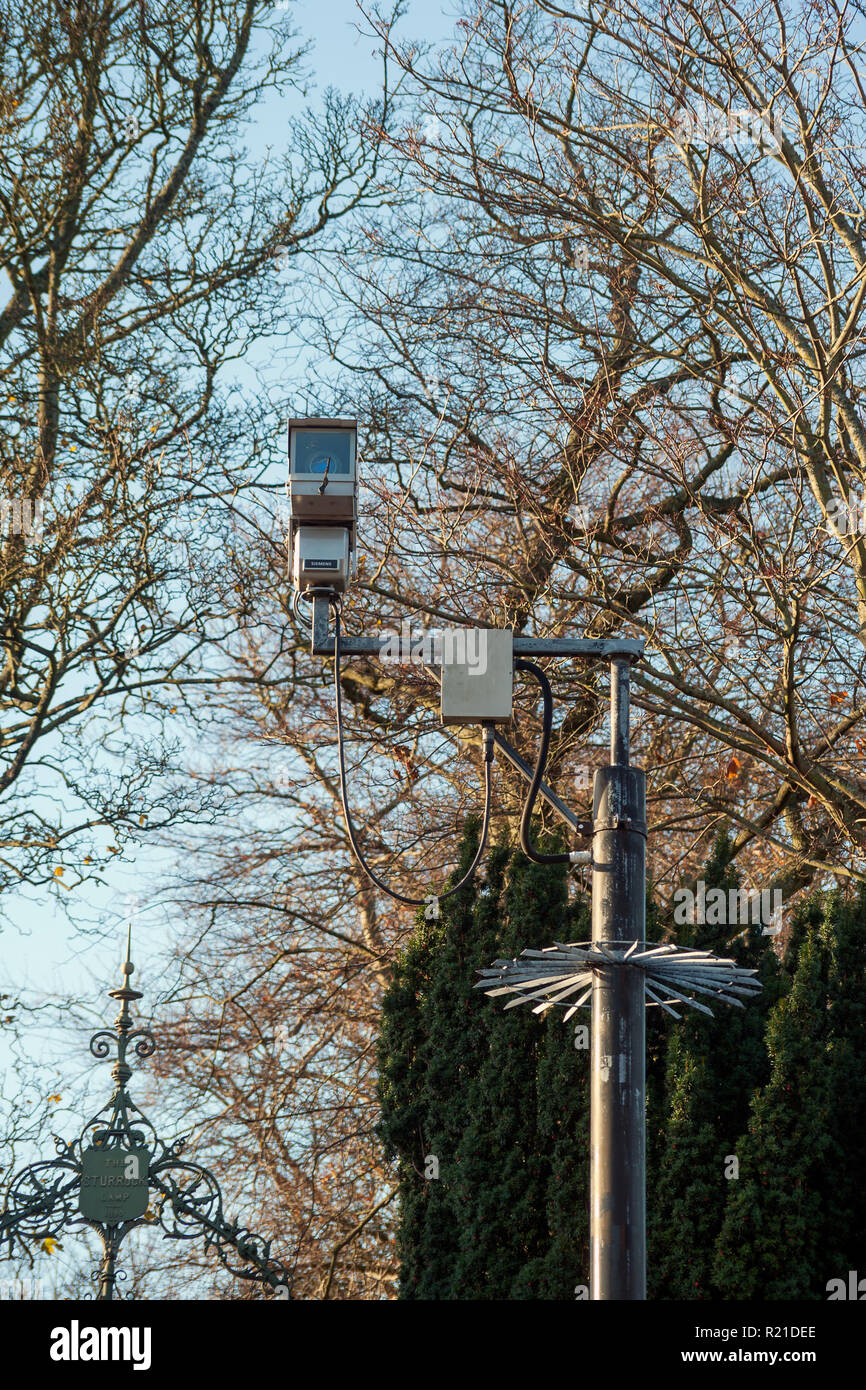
521	664
353	839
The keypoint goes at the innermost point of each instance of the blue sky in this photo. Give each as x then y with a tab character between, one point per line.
345	53
43	954
343	57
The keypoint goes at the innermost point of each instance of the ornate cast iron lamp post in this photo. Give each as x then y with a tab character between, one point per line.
118	1168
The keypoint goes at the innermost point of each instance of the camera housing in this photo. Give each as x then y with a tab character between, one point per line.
320	558
323	502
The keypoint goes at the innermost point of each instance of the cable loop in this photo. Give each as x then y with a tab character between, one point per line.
307	596
521	664
350	829
296	609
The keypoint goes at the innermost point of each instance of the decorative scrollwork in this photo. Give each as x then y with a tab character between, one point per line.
119	1124
193	1207
41	1199
189	1199
106	1276
255	1256
102	1044
143	1042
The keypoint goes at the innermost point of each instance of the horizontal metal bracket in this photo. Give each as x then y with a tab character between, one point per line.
580	648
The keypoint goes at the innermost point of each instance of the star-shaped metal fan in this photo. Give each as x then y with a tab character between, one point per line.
563	973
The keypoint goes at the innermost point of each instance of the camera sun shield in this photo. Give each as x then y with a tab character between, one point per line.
323	474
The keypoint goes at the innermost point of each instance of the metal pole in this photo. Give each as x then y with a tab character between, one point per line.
107	1274
618	1057
620	673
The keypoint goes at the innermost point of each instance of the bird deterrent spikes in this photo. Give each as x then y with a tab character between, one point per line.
561	975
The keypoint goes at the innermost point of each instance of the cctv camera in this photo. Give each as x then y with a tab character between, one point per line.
323	497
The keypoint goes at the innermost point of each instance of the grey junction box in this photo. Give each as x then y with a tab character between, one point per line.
477	675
